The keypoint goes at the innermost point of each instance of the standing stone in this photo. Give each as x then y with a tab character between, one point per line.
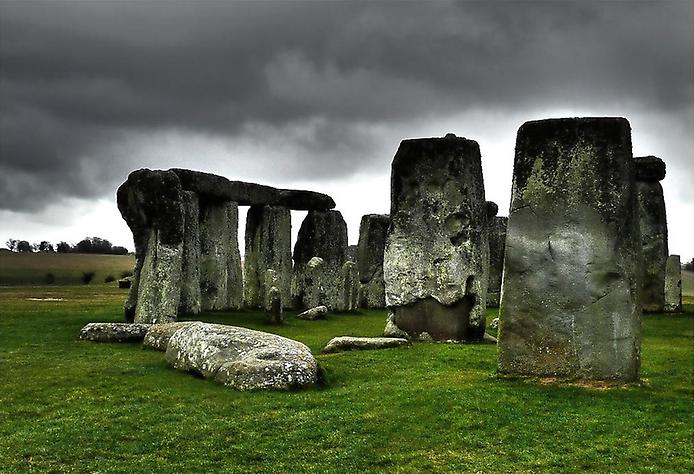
497	245
373	230
268	246
151	203
571	290
649	171
322	234
221	284
190	274
673	285
437	255
313	283
350	287
272	300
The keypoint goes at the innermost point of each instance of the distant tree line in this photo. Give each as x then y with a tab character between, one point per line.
689	266
86	245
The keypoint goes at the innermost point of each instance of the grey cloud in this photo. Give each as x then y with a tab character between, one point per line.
78	77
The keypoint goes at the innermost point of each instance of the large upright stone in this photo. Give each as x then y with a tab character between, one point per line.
221	283
322	234
151	203
372	244
190	272
649	170
673	285
437	255
349	296
571	290
268	246
497	245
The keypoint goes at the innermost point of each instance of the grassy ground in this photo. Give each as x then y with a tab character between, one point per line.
32	268
73	406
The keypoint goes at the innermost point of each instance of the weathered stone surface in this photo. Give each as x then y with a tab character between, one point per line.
190	267
309	284
349	343
492	208
268	246
319	312
349	300
497	245
673	285
217	188
649	168
437	255
352	253
571	292
158	335
159	286
322	234
221	281
150	200
372	243
114	332
242	358
653	231
273	298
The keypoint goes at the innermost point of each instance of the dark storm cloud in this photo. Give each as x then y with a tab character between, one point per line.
78	77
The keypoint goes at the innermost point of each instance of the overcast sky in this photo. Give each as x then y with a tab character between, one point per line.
318	95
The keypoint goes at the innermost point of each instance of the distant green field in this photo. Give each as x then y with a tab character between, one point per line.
688	287
66	268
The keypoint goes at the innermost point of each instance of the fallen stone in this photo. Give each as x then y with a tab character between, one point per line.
319	312
348	343
673	285
158	335
114	332
242	358
571	302
373	230
489	339
437	254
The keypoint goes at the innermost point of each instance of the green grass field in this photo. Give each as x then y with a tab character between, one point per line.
32	268
74	406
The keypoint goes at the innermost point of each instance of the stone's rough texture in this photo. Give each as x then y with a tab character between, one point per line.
311	284
159	287
348	343
673	285
372	243
300	200
114	332
217	188
436	255
273	298
319	312
158	335
150	200
221	284
571	292
190	270
242	358
268	246
653	231
649	168
497	246
492	208
352	253
322	234
349	300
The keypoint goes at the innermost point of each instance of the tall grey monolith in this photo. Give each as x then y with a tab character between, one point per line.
497	245
649	172
221	284
322	234
349	295
372	244
437	255
570	305
268	246
190	271
673	285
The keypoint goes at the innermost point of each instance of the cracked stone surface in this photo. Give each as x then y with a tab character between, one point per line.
114	332
673	285
158	335
437	255
373	230
653	221
242	358
571	288
349	343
